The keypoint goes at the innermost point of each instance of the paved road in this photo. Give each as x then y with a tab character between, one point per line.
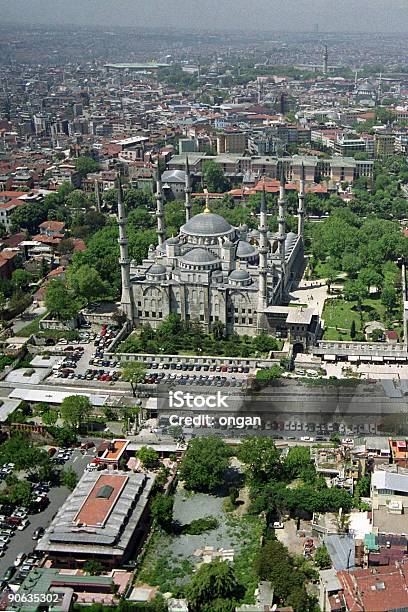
26	317
22	540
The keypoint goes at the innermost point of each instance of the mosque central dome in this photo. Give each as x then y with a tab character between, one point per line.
206	224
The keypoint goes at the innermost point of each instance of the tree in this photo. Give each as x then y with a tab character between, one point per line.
322	557
134	372
162	510
389	297
204	464
85	165
60	301
77	199
86	282
264	343
355	290
261	458
75	409
66	246
49	417
21	279
148	456
370	277
69	478
270	374
27	217
20	493
274	563
93	567
353	329
218	330
213	581
298	463
213	177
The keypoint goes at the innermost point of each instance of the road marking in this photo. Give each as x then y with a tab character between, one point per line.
74	459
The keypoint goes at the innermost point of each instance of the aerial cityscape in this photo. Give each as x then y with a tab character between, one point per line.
203	306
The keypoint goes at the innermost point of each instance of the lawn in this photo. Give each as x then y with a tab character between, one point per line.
31	328
338	313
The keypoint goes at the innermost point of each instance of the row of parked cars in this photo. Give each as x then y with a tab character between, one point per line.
93	374
208	380
197	367
17	520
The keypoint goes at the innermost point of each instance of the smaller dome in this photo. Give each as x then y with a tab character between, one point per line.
156	269
172	240
239	275
227	243
244	249
152	247
199	256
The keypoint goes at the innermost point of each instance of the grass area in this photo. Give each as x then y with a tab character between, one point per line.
249	530
339	313
164	570
31	328
34	328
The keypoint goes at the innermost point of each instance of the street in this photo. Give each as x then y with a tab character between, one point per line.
22	540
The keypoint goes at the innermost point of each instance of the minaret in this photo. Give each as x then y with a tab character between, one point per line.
281	225
187	191
124	261
325	61
301	208
97	196
263	253
159	207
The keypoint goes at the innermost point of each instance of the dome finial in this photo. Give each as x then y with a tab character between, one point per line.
207	201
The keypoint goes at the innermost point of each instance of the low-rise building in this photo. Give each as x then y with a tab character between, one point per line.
104	518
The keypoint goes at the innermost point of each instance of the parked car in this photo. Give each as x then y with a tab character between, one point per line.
9	573
38	533
19	559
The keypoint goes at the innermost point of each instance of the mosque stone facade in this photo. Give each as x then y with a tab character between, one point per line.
213	271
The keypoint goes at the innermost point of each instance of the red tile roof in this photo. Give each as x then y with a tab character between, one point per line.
377	589
54	226
95	510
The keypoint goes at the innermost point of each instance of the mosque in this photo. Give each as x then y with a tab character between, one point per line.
213	271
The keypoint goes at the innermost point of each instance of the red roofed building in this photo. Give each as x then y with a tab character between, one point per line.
376	589
104	519
52	228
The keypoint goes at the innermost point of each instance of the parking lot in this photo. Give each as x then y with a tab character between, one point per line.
22	541
83	359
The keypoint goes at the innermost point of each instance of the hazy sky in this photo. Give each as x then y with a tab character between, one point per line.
331	15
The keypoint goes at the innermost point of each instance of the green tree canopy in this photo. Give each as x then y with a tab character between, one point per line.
204	464
213	177
261	458
75	409
148	457
21	279
213	581
162	510
60	301
85	165
86	282
69	478
134	373
322	557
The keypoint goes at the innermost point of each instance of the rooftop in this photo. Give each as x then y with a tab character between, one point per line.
101	500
